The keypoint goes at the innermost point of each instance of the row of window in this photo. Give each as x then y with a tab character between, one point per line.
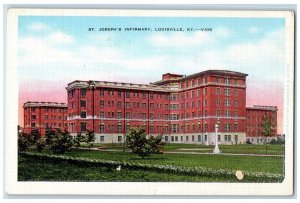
128	115
174	128
227	103
48	125
218	80
53	117
49	109
119	94
227	138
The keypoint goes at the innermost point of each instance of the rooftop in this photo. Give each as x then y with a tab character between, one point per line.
44	104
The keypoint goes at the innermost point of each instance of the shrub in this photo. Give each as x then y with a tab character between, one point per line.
139	144
23	142
40	144
49	135
61	142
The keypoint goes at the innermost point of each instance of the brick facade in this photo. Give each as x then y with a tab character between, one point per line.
41	115
181	108
256	116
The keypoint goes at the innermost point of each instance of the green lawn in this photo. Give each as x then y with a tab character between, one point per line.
219	161
235	149
37	170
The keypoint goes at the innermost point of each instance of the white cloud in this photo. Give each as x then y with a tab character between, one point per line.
61	37
254	30
180	39
37	26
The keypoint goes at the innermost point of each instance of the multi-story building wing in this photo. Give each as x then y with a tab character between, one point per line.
256	117
181	108
42	115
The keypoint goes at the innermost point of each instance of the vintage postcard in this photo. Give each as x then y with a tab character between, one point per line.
149	102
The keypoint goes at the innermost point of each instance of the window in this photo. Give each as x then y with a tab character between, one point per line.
205	91
199	82
144	95
227	102
186	138
218	113
235	81
193	83
33	117
235	114
101	138
83	92
101	92
101	114
119	94
127	115
186	105
32	109
32	125
219	138
166	97
218	80
151	116
119	115
102	127
227	113
174	128
227	81
46	125
205	102
187	95
127	94
83	114
199	103
119	138
166	138
205	113
227	127
235	92
82	103
119	127
193	138
151	128
198	93
101	104
199	138
235	103
151	106
218	101
235	127
186	84
151	96
176	138
218	90
166	106
127	105
82	126
193	94
205	80
227	91
193	104
166	116
206	127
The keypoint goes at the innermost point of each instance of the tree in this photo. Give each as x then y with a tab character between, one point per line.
61	142
139	144
90	138
267	129
40	144
49	135
78	139
34	136
23	142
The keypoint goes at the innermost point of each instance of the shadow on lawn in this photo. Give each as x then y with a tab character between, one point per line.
148	158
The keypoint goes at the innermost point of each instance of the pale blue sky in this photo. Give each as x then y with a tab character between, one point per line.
62	48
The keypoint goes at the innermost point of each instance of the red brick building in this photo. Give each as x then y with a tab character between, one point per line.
256	117
184	109
44	114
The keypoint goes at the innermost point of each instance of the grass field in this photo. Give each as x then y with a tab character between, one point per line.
236	149
45	170
37	170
